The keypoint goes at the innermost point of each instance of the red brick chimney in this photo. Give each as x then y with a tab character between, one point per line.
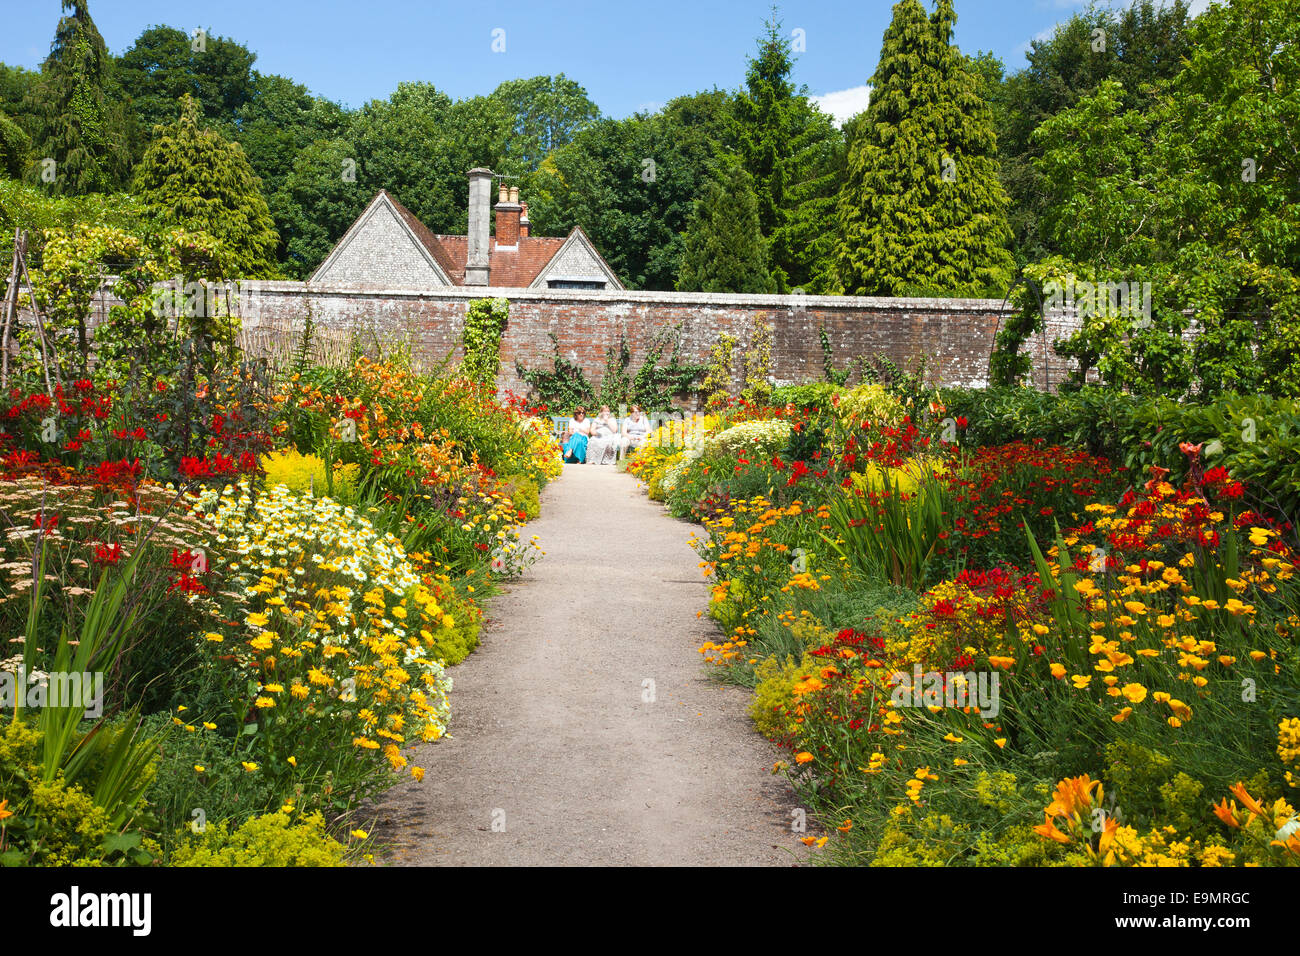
508	214
523	220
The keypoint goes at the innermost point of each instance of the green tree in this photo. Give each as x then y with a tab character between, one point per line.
164	64
796	156
195	178
922	210
632	184
81	122
14	147
546	113
317	204
725	249
1138	47
418	144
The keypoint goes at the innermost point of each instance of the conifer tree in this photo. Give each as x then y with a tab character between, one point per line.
83	123
193	177
725	250
796	157
922	210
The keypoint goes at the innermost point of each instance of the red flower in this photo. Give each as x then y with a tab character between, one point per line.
108	554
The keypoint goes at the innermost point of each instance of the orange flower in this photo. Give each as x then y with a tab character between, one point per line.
1227	814
1238	790
1048	829
803	757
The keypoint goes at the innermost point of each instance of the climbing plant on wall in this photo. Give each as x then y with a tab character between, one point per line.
485	321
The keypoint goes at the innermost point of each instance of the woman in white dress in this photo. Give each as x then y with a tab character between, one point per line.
635	429
603	447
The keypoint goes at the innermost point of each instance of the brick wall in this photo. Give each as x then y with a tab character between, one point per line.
954	335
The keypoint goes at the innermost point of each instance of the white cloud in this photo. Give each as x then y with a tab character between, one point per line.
844	104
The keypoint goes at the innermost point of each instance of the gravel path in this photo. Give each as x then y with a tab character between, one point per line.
555	758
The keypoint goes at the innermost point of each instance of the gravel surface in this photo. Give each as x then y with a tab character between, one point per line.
554	756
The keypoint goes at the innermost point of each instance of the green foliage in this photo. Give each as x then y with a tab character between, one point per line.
922	210
636	214
758	365
796	157
724	247
563	388
273	839
56	822
834	376
194	178
80	110
1259	436
718	376
485	321
812	396
14	147
316	204
547	113
418	144
654	385
162	65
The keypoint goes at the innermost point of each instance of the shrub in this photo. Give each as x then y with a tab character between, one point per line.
273	839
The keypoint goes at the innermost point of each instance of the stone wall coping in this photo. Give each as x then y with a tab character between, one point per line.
640	297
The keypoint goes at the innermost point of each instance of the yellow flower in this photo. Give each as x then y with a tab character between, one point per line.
361	834
1122	715
1058	671
250	767
1135	692
803	757
264	703
199	768
256	619
293	761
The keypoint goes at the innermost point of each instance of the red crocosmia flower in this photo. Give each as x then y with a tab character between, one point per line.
108	554
195	467
160	386
961	421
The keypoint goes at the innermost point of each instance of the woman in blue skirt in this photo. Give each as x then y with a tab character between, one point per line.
575	445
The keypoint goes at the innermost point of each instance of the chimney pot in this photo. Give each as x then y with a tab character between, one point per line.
508	215
523	221
503	195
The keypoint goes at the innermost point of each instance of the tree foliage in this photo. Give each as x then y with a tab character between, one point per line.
78	108
193	177
922	210
724	248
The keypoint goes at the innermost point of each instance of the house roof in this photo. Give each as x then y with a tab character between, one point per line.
519	267
507	268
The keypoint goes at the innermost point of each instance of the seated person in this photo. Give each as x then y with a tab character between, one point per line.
603	447
636	428
575	443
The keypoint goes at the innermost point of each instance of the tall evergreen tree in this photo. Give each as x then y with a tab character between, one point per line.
922	210
193	177
725	251
795	154
79	108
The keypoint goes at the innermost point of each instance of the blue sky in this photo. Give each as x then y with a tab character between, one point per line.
629	54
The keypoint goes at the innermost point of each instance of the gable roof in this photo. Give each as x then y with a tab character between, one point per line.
577	238
526	265
416	230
